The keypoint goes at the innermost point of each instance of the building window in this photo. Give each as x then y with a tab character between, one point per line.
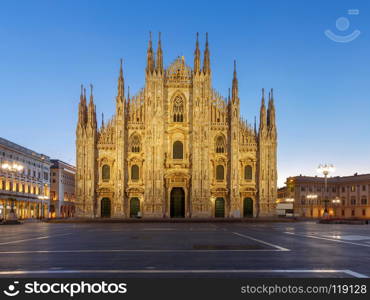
364	212
178	151
220	144
135	172
363	200
135	144
353	212
343	212
46	176
178	109
105	173
353	200
248	172
343	189
303	189
303	200
220	172
353	188
364	188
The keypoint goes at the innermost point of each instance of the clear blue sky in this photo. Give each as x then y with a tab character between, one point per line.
322	90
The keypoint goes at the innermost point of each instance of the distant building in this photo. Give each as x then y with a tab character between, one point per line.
62	189
24	181
346	197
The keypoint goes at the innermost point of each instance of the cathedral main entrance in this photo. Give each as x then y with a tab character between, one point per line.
220	208
105	208
248	207
177	203
134	207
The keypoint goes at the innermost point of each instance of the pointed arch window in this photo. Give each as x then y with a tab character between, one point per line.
178	109
220	144
105	173
135	172
220	172
135	144
248	172
178	150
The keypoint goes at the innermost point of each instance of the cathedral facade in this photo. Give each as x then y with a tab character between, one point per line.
176	149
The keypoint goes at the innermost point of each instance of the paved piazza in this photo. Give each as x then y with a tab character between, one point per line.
303	249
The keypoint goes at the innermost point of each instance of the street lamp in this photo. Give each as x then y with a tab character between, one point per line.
326	170
12	167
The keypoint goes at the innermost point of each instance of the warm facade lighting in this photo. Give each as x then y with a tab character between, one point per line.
14	167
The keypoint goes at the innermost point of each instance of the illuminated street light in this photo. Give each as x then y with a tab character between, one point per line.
289	200
12	167
335	201
326	170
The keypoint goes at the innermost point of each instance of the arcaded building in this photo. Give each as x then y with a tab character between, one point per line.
62	189
345	196
24	182
176	148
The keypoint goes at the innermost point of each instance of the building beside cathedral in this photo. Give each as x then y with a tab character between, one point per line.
176	149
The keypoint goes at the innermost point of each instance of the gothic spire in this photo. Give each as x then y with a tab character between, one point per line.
91	109
159	55
206	59
197	56
82	108
255	125
128	96
235	84
263	120
271	110
82	94
121	84
91	103
85	95
102	120
150	64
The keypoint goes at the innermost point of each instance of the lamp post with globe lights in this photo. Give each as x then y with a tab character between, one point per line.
326	170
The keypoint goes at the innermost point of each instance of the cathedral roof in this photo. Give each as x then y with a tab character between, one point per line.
179	70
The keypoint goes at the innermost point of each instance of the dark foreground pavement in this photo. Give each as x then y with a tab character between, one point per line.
303	249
